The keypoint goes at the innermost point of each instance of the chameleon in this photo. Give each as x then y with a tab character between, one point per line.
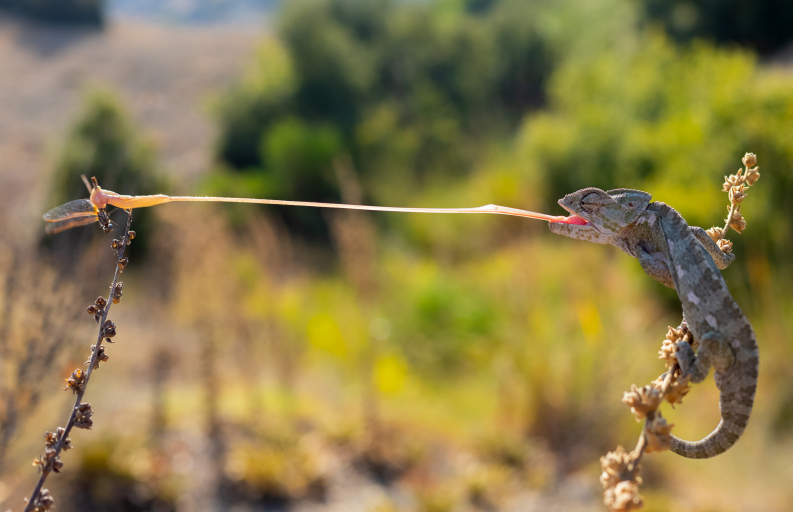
685	258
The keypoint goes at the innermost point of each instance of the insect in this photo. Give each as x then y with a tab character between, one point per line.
82	212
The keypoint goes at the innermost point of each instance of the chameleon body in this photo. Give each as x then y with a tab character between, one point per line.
686	259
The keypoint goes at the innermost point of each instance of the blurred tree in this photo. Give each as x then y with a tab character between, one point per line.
411	91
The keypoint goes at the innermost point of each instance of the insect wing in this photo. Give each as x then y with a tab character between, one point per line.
70	215
57	227
71	210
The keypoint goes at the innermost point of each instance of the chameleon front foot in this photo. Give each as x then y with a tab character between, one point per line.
713	351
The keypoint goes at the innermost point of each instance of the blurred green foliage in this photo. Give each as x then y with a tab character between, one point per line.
408	90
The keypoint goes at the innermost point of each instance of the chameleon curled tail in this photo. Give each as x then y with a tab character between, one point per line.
735	411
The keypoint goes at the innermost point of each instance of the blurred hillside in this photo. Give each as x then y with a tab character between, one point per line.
291	359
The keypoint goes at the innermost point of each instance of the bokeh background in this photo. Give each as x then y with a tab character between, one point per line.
305	360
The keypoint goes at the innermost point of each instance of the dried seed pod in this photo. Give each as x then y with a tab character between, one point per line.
733	180
667	353
48	462
131	237
122	263
101	357
109	329
642	400
118	291
715	233
116	244
738	194
615	467
82	418
675	335
623	497
76	382
752	175
736	221
43	502
677	389
100	302
749	160
52	438
725	246
658	434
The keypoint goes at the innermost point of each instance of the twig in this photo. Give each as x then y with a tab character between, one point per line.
51	460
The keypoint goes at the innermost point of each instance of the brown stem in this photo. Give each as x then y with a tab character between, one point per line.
91	364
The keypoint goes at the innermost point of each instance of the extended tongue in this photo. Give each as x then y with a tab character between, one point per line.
572	219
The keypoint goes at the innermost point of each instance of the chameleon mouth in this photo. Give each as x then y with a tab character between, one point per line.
572	219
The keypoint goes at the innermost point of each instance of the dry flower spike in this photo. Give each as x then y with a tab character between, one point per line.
81	416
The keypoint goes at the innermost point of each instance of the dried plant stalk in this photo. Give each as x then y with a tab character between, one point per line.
81	416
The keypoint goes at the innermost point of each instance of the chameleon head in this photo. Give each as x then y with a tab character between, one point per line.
597	215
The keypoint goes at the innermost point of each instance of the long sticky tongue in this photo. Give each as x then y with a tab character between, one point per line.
523	213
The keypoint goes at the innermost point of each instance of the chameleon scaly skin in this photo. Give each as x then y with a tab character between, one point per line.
686	259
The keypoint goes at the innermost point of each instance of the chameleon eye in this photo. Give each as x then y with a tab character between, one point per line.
593	201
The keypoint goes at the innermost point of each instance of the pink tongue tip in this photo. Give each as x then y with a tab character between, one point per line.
572	219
